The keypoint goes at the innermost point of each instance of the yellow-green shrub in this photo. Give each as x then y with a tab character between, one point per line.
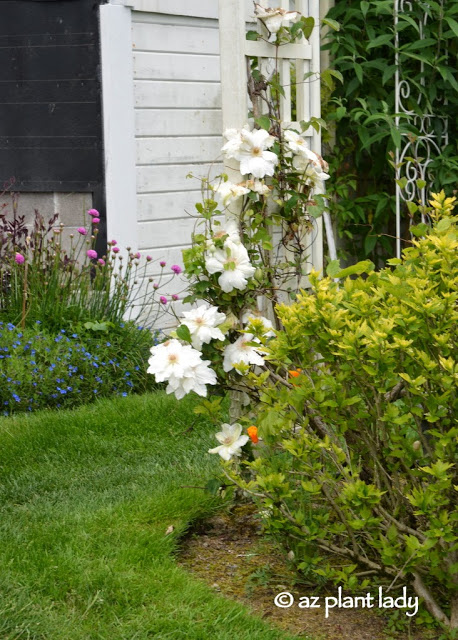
360	436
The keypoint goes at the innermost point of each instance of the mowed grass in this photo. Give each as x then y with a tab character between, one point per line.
86	497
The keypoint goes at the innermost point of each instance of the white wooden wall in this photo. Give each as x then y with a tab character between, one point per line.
178	124
162	119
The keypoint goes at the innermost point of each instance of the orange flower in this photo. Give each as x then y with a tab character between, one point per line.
253	433
295	373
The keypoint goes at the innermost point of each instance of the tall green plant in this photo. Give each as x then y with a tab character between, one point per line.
363	110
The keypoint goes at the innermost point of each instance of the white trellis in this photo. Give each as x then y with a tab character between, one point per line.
304	55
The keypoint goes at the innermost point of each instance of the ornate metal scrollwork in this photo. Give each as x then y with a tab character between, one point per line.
416	153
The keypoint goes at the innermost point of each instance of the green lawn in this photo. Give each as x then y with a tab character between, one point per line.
86	497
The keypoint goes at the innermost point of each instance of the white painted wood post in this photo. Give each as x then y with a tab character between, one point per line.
118	124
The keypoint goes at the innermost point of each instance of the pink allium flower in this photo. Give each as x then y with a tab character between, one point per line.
148	258
176	268
163	299
91	254
113	243
175	297
155	285
116	249
19	258
162	263
95	220
82	230
138	255
93	213
101	262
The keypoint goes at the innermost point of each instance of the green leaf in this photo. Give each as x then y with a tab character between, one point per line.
183	333
419	230
307	26
402	182
453	24
443	225
388	73
369	243
412	207
252	35
359	72
421	184
263	122
331	23
336	74
365	266
364	8
379	41
333	268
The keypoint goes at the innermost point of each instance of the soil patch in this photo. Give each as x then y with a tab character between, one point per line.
229	553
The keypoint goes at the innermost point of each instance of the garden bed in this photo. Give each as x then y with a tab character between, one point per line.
229	554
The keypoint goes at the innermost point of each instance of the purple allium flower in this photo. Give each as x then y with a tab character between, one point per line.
162	263
175	297
138	255
101	262
155	285
116	249
113	243
93	213
148	258
82	231
91	254
19	258
95	220
163	299
176	268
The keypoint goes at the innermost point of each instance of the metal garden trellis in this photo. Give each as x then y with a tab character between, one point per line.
423	147
235	49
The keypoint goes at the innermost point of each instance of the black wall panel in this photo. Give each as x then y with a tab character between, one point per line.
50	96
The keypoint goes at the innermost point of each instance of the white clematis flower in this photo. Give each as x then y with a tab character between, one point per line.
233	144
258	187
249	316
274	18
253	155
312	169
296	143
230	192
182	367
242	352
231	440
203	324
234	265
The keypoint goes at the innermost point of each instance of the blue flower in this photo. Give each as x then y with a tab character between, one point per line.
16	397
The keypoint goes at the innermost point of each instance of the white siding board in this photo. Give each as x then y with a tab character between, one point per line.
175	66
176	122
166	178
181	95
165	233
191	8
167	206
160	37
178	149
